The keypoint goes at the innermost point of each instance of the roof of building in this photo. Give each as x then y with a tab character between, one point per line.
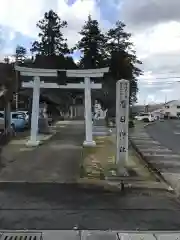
171	101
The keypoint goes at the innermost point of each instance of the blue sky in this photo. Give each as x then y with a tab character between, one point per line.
155	28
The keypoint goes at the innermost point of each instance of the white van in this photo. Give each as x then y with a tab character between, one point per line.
145	116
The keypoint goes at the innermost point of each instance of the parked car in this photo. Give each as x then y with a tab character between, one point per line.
24	116
26	113
18	121
145	117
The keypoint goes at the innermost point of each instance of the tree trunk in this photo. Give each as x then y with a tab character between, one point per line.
7	118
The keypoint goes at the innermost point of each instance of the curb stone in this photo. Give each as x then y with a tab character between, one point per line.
150	165
77	233
99	185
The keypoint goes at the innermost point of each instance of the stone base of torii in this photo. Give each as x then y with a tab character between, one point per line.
37	84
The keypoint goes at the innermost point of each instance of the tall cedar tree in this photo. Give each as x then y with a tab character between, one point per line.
51	37
91	45
20	54
51	50
123	63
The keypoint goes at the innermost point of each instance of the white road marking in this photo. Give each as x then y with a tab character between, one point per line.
177	133
154	150
161	155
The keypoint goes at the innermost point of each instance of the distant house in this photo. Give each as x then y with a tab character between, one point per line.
136	109
169	109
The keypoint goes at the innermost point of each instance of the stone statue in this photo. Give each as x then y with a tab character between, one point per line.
43	119
98	112
99	121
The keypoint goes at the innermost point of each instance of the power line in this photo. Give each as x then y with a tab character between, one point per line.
159	78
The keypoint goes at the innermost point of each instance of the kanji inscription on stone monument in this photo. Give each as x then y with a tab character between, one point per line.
122	119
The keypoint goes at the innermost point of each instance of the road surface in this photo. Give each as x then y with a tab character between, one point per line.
167	133
62	206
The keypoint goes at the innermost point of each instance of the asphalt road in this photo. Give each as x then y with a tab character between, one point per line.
60	206
167	133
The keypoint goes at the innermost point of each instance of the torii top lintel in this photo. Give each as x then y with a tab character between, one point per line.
40	72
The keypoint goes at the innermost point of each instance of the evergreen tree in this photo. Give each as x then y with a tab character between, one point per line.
51	50
123	63
52	41
20	54
91	45
118	39
7	60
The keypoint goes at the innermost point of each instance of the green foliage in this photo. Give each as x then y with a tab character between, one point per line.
91	45
113	48
54	62
131	124
20	54
7	60
52	41
123	62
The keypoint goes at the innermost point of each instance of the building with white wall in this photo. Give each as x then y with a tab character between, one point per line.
169	109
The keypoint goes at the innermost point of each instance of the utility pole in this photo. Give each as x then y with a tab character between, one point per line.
17	87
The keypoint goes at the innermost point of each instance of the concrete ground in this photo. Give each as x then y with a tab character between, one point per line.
167	133
52	200
56	160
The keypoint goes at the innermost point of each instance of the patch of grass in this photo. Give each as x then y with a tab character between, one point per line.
99	162
96	161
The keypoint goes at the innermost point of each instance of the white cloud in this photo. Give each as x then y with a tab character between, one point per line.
22	15
12	35
75	15
156	34
159	49
167	90
161	38
144	13
157	40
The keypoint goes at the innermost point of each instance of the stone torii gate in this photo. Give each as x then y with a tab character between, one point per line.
36	84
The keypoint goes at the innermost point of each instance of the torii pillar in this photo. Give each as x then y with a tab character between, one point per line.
87	74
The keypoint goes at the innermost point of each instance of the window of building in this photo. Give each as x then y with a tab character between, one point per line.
166	106
178	114
178	106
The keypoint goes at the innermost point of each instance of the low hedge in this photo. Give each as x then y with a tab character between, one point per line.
131	124
113	121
